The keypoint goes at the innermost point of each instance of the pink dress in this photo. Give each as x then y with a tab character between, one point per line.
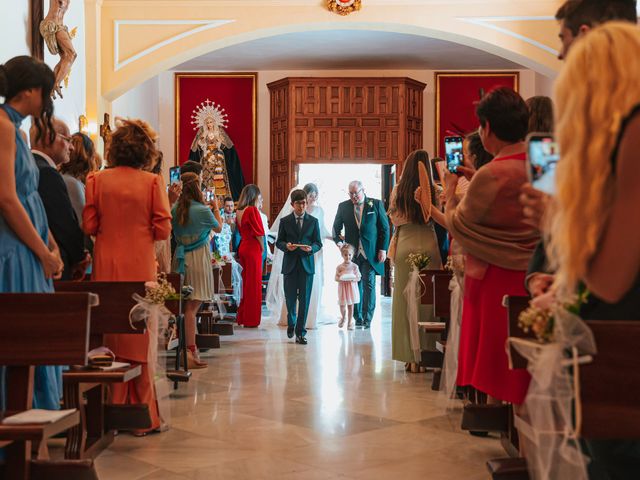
348	293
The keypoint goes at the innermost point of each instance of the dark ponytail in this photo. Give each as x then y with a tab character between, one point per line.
22	73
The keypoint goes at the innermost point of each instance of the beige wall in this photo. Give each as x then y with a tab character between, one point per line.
530	84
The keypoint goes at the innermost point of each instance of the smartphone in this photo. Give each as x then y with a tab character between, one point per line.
542	158
208	195
174	175
453	153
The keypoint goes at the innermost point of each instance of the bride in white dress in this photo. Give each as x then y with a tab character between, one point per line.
275	288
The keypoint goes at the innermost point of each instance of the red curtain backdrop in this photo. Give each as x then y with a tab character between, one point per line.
456	97
236	94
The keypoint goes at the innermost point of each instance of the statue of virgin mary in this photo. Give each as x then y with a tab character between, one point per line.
213	148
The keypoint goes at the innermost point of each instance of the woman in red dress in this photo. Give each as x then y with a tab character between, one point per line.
489	225
249	224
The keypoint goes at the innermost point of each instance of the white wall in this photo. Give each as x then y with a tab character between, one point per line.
529	81
141	102
14	25
14	20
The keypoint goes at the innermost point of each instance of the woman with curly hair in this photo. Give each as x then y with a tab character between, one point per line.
127	210
83	159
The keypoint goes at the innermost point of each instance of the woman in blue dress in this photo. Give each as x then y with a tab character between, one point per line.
29	257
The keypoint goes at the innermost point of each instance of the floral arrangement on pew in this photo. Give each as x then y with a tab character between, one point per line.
413	293
160	291
562	343
541	322
151	311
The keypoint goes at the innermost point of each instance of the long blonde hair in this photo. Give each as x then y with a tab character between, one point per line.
597	88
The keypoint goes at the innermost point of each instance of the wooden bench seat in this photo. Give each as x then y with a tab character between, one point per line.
40	329
86	389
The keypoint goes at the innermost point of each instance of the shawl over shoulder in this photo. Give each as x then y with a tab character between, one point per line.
488	221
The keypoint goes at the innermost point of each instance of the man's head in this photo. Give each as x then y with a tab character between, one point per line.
299	201
577	17
356	192
228	205
58	146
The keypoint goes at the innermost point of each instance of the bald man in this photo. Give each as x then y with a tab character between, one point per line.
50	151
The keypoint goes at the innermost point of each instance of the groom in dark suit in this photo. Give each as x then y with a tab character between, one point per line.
366	228
299	239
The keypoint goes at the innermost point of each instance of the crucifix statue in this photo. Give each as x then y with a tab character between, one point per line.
58	39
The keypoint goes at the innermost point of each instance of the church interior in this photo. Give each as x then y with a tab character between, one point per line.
347	117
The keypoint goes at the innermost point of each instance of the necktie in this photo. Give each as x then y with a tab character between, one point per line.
358	209
299	223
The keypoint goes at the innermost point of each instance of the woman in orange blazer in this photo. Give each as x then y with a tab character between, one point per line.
127	210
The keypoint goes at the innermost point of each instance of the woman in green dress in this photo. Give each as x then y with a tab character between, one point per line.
413	235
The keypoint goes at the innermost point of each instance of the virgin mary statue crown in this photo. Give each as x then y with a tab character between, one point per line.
205	110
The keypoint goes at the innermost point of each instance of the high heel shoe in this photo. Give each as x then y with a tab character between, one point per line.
194	363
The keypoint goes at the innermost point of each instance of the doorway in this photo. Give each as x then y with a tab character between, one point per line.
333	184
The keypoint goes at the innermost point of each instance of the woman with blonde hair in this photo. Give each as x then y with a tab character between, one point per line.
595	229
127	210
193	221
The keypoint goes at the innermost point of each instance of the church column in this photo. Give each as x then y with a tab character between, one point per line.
97	105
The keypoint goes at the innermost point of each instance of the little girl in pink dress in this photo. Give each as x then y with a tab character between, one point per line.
347	276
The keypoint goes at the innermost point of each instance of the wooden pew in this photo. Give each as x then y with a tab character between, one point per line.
442	310
609	386
608	393
431	359
99	420
40	329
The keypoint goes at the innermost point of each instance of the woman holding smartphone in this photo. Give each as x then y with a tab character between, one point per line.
489	226
193	219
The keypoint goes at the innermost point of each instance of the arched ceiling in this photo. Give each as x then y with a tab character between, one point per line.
347	49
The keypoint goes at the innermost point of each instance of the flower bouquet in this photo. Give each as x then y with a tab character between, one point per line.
160	291
418	261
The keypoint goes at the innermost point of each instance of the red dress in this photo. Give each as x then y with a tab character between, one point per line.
250	258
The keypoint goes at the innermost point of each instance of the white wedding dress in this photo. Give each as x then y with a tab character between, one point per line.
275	289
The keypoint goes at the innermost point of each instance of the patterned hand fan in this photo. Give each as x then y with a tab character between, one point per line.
425	191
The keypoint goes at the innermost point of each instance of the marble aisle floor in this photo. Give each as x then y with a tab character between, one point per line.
338	407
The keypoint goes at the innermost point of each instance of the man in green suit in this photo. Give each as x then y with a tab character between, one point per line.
366	228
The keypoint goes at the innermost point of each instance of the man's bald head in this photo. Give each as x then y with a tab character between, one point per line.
57	146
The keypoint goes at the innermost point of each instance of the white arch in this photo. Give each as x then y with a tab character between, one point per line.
440	34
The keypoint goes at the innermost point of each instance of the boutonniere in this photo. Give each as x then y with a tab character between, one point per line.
370	203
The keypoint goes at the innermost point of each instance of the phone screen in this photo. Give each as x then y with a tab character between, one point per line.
174	174
542	156
453	153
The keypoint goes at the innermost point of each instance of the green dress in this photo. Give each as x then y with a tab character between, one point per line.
412	238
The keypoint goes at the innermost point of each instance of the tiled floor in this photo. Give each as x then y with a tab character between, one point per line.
339	407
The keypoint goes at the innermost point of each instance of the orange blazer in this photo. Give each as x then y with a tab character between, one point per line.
126	210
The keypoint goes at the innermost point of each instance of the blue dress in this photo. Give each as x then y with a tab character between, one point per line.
20	269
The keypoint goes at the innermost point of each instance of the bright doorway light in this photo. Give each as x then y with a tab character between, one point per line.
333	183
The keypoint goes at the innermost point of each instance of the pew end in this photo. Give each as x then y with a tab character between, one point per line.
41	329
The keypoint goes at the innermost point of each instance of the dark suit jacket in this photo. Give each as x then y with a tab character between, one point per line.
373	231
289	233
61	217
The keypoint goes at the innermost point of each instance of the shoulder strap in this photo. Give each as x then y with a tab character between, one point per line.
623	126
